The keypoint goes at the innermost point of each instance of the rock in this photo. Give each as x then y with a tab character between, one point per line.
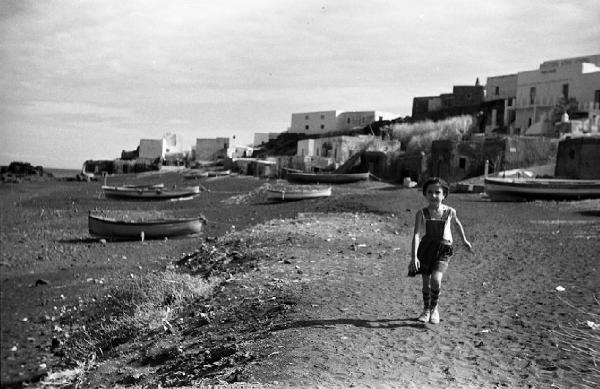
56	343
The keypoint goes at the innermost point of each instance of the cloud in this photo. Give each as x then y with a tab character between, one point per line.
143	66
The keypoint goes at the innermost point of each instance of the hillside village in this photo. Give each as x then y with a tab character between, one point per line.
513	121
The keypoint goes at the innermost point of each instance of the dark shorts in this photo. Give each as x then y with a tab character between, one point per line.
433	256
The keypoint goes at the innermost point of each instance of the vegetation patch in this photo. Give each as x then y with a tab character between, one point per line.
131	310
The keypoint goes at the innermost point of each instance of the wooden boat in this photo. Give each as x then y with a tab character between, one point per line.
298	193
144	186
194	175
218	173
115	228
149	192
511	189
327	178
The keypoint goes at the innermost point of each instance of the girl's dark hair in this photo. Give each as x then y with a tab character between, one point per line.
436	180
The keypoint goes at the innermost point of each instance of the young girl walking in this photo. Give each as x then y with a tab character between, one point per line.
432	245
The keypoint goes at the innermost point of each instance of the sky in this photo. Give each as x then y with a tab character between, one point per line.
84	79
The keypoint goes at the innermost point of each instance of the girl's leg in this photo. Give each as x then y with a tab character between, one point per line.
424	317
436	283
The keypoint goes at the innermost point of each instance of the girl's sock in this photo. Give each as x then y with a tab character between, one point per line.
426	299
435	295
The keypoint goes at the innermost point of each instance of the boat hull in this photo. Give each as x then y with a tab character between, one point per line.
149	193
511	189
297	194
160	228
327	178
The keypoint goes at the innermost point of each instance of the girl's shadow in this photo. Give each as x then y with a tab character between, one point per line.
377	323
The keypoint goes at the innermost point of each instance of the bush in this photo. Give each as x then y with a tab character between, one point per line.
419	136
133	309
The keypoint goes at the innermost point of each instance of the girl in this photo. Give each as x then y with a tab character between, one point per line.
431	253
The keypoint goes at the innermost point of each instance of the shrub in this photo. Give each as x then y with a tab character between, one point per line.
133	309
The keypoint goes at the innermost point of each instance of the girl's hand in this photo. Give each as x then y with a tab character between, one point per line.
413	265
468	245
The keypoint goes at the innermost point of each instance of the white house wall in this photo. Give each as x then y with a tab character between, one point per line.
313	122
359	119
501	87
152	148
582	80
213	149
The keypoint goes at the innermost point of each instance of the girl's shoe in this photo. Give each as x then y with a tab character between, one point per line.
434	317
424	317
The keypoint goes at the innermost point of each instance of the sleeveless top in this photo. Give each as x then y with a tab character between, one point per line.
438	230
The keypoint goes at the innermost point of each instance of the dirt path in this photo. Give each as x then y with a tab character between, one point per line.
354	325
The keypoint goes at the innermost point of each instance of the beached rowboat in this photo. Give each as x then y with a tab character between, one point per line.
327	178
511	189
108	227
149	192
298	193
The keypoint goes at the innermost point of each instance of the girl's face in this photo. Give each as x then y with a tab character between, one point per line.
434	194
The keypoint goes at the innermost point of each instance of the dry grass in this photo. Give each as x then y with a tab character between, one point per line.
419	136
137	307
580	340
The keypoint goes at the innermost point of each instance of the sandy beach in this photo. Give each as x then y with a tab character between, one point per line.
325	301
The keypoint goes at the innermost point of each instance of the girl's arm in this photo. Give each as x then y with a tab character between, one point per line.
460	229
414	261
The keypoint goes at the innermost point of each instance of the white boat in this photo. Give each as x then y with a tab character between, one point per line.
150	192
298	193
511	189
141	228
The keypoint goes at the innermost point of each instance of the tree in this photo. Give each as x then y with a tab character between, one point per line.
570	106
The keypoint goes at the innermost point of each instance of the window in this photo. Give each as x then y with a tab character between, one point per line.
322	117
529	121
565	91
597	96
348	121
497	91
532	95
306	127
462	163
306	117
322	126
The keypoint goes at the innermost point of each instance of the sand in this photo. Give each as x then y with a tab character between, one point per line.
331	305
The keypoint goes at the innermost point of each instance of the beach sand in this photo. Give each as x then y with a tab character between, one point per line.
328	304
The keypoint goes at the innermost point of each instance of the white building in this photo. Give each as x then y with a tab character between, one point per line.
160	148
322	122
212	149
540	90
360	119
264	137
313	122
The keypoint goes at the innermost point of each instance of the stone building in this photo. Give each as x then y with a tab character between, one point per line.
578	158
457	160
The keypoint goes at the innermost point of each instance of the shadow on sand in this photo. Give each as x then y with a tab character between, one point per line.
377	323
